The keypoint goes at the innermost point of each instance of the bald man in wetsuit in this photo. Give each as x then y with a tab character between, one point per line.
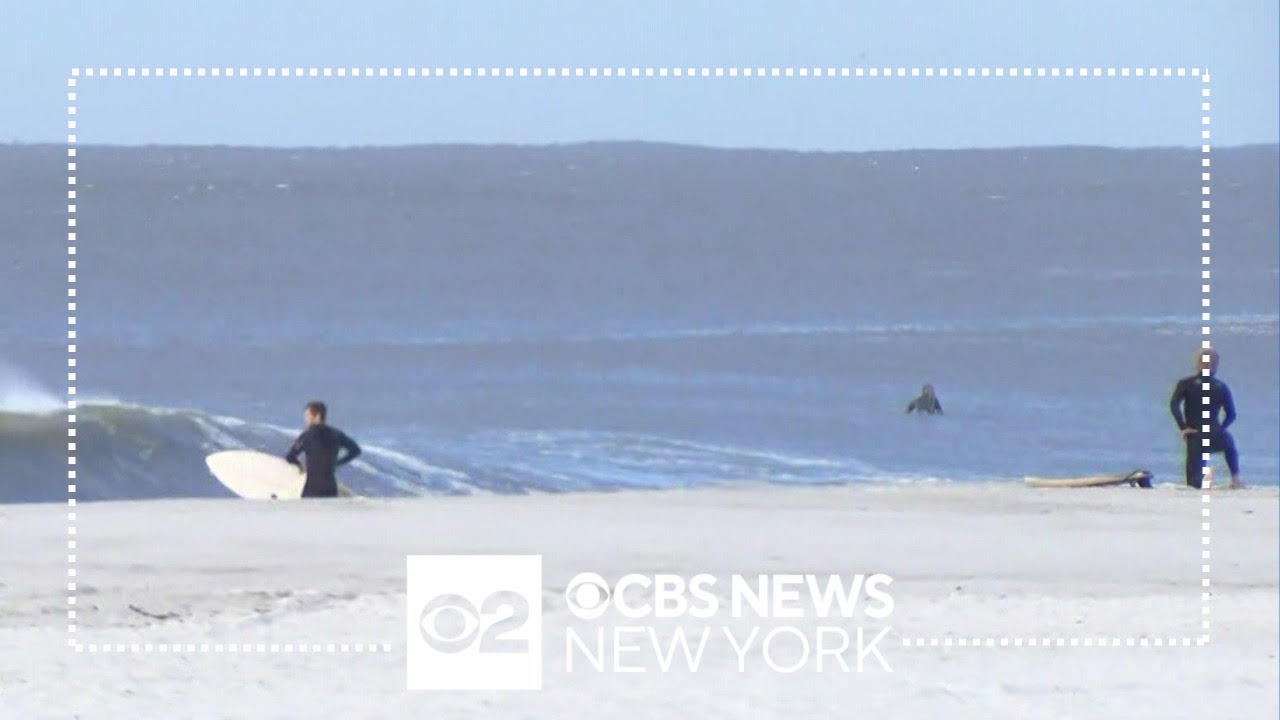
1203	408
326	448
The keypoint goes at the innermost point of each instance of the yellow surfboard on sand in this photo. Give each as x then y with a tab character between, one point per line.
1137	478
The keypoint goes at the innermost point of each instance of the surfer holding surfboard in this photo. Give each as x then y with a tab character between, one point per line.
325	447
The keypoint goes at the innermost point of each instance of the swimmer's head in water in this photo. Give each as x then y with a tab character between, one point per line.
1207	359
927	391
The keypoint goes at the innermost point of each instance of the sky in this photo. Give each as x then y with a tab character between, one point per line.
1236	40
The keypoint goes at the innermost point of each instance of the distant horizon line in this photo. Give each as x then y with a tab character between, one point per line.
654	143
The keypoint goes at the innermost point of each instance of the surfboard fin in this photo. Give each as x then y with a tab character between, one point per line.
1140	478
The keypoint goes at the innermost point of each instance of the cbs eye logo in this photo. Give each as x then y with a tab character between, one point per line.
451	623
587	596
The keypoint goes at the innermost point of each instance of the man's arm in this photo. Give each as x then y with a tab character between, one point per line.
352	449
911	406
294	451
1229	405
1175	404
938	404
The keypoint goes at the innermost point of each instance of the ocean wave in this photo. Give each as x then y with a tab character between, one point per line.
1256	323
126	451
601	460
1243	323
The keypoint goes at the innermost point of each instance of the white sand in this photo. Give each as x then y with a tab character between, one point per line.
968	562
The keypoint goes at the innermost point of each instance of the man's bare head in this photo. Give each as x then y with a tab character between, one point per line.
1206	359
315	413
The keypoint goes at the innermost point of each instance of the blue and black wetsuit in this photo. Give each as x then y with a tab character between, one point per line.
322	445
926	404
1195	407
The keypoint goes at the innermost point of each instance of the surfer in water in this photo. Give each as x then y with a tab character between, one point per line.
926	404
1206	397
323	445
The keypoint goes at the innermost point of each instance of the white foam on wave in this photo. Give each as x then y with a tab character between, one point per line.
610	457
412	463
213	429
458	481
99	400
19	393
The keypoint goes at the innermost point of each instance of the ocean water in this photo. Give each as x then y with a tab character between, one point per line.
602	316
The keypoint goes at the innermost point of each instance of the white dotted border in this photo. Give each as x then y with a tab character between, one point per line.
704	72
229	648
1051	642
565	72
1206	470
71	362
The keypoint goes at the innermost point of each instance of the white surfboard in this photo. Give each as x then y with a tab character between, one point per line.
1137	478
256	475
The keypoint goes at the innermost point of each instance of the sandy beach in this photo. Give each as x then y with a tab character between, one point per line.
989	564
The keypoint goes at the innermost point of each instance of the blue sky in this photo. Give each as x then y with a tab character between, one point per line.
1235	39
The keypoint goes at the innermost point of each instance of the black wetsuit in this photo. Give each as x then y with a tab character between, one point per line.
321	444
927	404
1189	404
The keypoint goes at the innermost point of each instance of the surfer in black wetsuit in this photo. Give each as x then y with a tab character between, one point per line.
926	404
322	444
1198	402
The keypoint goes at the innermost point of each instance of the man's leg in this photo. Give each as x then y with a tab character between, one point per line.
1195	466
1233	459
320	487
